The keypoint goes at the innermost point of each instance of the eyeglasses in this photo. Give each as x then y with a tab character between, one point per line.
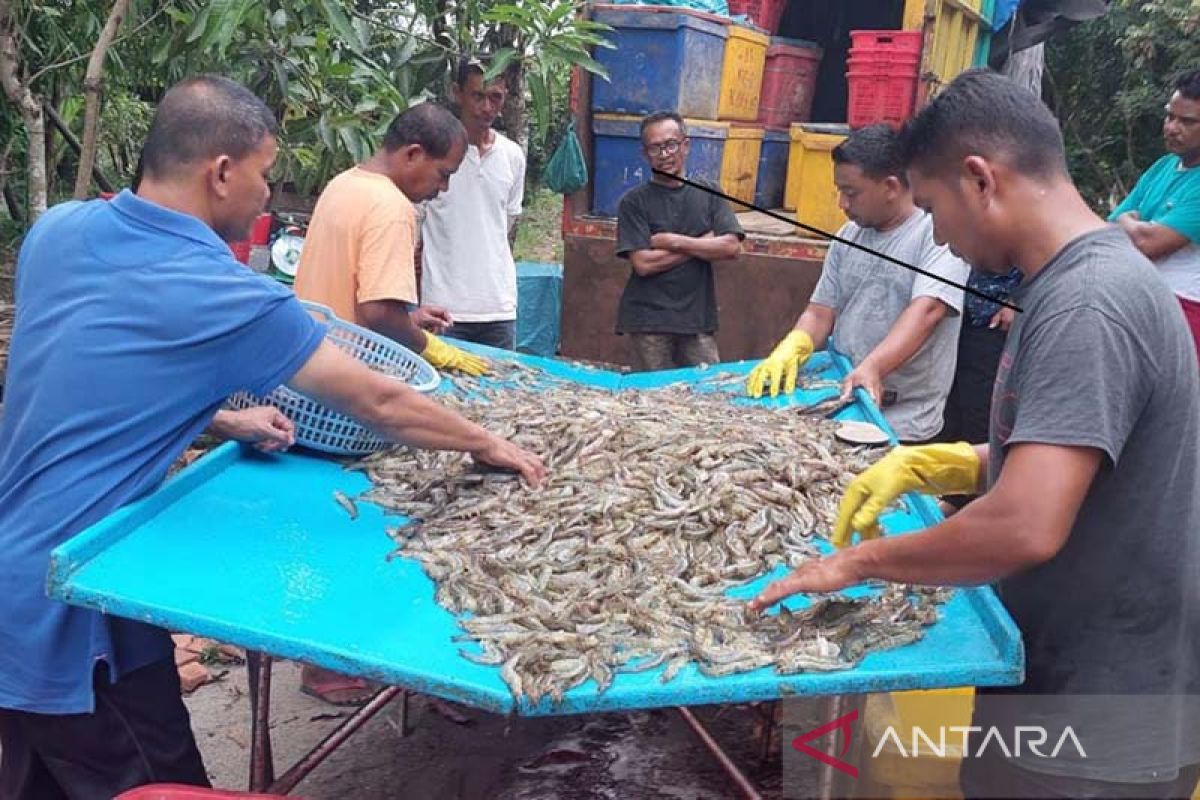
668	148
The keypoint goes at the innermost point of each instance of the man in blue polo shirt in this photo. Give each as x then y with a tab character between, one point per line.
1162	214
133	324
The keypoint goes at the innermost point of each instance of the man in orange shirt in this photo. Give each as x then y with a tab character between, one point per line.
358	260
358	252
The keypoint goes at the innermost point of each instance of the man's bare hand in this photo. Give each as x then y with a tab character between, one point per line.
867	377
829	574
266	427
665	241
434	319
503	453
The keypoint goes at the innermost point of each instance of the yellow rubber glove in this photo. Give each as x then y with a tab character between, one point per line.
782	366
935	469
447	356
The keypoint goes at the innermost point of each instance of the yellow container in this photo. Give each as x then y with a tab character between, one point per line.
742	74
952	30
810	190
921	771
739	162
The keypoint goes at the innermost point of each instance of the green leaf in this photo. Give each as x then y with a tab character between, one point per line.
500	62
349	140
281	78
199	26
541	101
279	19
161	52
559	14
338	20
325	133
588	63
406	51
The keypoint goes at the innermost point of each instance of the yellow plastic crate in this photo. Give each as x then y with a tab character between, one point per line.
952	31
810	190
739	162
929	774
742	74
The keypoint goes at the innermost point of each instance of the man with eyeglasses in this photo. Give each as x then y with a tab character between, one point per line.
468	231
1162	213
671	233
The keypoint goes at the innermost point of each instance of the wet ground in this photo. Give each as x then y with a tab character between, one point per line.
630	756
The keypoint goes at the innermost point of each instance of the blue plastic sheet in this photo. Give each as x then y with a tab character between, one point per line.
539	303
251	549
711	6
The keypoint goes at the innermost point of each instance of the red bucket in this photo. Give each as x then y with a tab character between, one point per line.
765	14
789	81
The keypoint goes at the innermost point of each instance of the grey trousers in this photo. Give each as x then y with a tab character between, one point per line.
656	351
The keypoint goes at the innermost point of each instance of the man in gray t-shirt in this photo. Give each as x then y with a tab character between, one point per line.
898	327
1090	523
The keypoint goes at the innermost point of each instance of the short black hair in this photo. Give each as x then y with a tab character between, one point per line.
427	124
203	117
661	116
1188	84
468	66
987	114
876	149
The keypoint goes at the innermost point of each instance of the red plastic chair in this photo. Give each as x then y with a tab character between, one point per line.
177	791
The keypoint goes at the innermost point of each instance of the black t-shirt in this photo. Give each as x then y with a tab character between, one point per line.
683	299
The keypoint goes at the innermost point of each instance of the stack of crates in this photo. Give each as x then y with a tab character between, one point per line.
789	83
810	189
663	61
882	72
954	37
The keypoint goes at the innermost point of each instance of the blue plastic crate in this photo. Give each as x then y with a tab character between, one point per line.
620	164
772	170
665	59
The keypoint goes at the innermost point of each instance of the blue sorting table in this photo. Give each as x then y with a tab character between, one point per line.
252	550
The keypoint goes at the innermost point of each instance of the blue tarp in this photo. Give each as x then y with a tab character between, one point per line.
539	303
325	592
711	6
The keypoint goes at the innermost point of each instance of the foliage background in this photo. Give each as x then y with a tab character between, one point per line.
1108	80
336	72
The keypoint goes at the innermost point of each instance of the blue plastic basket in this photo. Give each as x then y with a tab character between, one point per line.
321	428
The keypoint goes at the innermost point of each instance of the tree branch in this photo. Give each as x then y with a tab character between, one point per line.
73	141
92	82
29	106
83	56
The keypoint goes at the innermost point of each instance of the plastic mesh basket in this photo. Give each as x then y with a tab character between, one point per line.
323	429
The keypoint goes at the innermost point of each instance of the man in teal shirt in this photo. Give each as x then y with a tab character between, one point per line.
1162	213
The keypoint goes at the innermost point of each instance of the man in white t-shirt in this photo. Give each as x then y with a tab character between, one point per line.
467	263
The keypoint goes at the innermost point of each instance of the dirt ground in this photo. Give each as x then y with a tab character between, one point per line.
630	756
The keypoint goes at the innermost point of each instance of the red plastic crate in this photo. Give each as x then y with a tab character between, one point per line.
176	791
888	41
765	14
880	92
789	81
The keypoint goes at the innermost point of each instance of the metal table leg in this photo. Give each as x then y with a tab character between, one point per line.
262	763
311	760
744	786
